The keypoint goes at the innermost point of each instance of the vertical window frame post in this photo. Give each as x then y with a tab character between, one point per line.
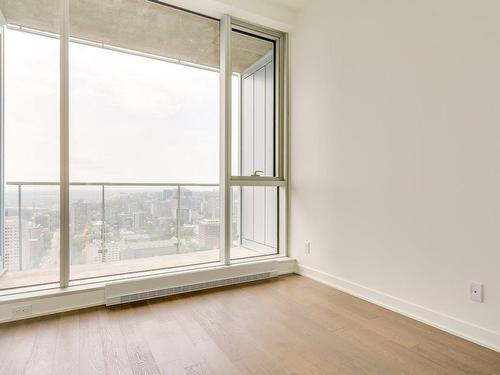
64	145
2	149
225	137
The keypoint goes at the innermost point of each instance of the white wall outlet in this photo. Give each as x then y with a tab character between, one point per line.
21	310
307	248
476	291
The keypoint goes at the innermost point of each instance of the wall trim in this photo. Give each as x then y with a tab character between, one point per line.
468	331
53	303
56	300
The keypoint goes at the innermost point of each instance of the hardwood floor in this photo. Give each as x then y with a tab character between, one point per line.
290	325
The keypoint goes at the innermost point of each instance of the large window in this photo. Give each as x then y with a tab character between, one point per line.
144	131
30	163
113	134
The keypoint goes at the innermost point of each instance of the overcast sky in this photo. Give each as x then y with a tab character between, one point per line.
132	119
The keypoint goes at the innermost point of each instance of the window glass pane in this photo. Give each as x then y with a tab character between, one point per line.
144	93
145	228
86	224
31	123
144	111
140	222
254	131
11	250
199	220
254	221
31	235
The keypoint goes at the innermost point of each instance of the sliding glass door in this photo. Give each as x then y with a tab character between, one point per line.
113	158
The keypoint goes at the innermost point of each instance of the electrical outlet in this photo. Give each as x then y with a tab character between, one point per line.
476	291
21	310
307	248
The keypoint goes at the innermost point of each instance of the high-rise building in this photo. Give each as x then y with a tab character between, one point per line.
94	252
111	252
79	216
169	194
139	220
11	243
160	209
210	206
43	220
184	216
208	233
16	247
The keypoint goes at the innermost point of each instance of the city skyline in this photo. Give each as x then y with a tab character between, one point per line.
138	223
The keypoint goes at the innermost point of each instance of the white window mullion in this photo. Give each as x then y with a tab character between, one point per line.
64	146
225	138
2	153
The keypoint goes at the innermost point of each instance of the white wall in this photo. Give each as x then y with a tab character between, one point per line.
395	146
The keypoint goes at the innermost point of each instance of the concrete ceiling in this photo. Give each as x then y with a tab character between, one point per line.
139	25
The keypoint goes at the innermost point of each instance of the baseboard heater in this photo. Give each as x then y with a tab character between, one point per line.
189	281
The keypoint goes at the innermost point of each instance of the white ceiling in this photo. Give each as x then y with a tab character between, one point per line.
295	4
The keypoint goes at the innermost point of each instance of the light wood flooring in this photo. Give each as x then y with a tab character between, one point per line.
290	325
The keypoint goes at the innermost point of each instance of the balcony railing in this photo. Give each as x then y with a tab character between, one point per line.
105	189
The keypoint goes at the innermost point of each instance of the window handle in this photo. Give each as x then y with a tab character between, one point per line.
256	174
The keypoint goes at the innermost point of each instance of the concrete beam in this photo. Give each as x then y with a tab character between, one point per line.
138	25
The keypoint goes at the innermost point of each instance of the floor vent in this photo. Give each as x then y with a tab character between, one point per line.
189	288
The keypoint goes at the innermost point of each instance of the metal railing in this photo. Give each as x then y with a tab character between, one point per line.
178	187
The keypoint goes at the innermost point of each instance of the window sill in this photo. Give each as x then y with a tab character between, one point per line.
57	300
18	282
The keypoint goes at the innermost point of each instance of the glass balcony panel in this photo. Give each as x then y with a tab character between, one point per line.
86	224
31	236
139	231
144	228
199	221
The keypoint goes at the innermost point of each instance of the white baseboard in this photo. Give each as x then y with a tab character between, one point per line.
52	301
457	327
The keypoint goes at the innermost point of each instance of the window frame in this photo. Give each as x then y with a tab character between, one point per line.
227	180
280	42
2	149
281	123
228	24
